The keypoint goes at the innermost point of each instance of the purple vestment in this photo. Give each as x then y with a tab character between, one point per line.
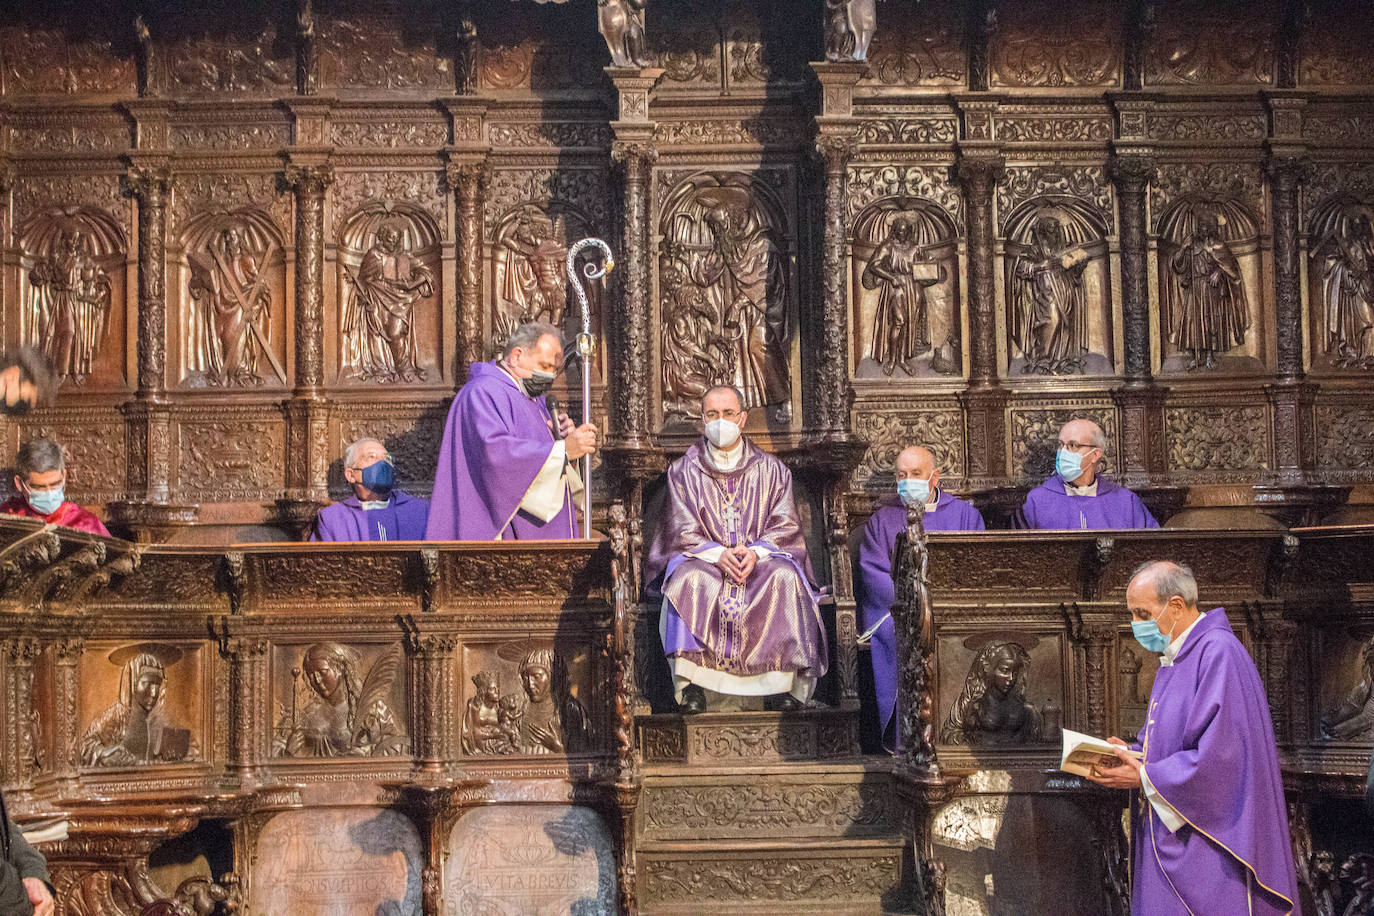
772	622
875	591
403	519
496	440
1048	506
1209	752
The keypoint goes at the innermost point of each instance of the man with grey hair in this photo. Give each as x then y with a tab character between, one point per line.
377	510
1212	835
1077	495
40	489
507	463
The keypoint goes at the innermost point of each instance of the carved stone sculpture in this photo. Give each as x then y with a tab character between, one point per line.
348	714
1048	316
1344	258
1353	719
230	288
71	302
379	319
622	25
1204	298
849	28
135	729
992	708
900	271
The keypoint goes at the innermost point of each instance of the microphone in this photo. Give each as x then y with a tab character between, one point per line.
554	409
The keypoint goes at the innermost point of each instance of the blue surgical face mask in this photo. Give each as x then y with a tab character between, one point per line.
914	491
1068	465
45	502
1149	635
379	477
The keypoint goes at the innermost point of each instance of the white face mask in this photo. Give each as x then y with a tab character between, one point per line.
722	433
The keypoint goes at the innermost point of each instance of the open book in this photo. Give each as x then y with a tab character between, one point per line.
1084	752
47	830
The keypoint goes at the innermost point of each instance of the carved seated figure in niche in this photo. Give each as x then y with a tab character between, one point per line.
71	304
992	709
1347	256
483	726
1048	313
552	720
1204	299
347	716
135	730
900	271
228	284
379	321
1353	719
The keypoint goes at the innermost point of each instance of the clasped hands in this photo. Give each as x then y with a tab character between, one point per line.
1125	775
737	563
578	440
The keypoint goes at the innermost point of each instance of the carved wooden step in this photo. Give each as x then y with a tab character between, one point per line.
818	876
742	738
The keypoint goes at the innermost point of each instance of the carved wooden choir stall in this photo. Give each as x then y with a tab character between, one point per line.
250	234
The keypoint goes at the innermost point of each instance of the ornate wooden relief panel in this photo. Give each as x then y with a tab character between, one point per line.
526	698
142	703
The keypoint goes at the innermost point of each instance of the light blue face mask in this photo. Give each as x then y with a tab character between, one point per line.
1149	635
45	502
1068	465
913	491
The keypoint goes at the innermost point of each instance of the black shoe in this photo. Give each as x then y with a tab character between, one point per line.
693	700
789	703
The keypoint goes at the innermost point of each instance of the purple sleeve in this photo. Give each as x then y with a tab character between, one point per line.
875	571
1141	516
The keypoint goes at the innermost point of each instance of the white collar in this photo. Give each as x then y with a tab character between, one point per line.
1089	490
1172	651
726	460
511	377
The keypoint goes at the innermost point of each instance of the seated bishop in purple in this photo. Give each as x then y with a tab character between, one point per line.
376	511
917	482
503	472
739	613
1212	833
1078	497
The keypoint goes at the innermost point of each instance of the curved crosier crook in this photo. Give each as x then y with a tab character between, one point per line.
586	345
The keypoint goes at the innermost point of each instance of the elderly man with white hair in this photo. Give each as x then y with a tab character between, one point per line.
1077	495
376	511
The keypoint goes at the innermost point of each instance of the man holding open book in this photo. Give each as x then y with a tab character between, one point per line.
1211	835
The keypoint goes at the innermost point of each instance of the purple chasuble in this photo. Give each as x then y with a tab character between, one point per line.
875	591
496	440
403	519
1114	506
770	624
1210	753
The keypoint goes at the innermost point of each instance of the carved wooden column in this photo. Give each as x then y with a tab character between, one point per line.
307	413
468	179
66	655
985	400
17	655
431	674
1097	644
249	720
1139	400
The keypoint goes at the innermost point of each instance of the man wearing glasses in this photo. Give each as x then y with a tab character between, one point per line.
377	510
40	489
1077	496
739	613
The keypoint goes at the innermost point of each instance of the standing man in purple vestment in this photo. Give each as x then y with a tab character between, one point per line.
739	613
505	471
918	483
1211	833
376	511
1076	495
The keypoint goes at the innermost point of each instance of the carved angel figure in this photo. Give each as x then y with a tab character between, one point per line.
1205	297
379	319
72	302
1048	316
1346	257
232	291
622	25
135	729
347	716
1353	719
992	708
900	272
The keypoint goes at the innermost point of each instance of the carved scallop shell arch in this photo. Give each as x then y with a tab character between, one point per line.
420	232
935	233
103	236
1334	215
1178	220
259	230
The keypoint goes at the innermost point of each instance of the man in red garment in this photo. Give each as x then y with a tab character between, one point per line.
40	481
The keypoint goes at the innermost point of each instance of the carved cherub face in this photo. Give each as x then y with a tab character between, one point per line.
148	690
536	680
323	677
